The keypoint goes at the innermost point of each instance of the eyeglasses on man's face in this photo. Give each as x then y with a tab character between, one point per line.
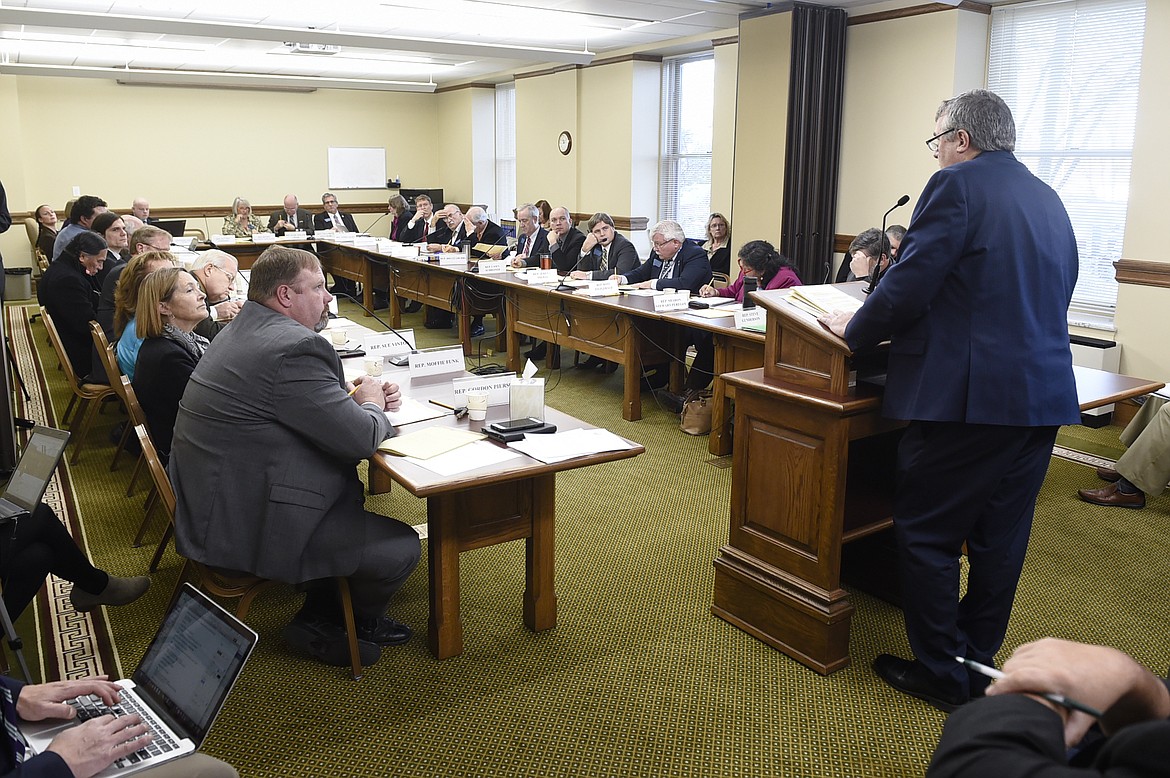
932	143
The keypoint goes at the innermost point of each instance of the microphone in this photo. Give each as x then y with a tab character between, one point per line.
397	361
380	218
884	242
562	286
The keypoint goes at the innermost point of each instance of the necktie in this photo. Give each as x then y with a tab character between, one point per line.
667	269
15	737
292	220
337	221
605	257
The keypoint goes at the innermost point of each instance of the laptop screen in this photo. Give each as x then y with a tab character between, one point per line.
174	226
37	463
193	662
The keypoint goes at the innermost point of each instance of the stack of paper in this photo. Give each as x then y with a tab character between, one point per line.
822	300
429	442
482	453
560	446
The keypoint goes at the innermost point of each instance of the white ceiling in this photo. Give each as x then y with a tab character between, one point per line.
411	45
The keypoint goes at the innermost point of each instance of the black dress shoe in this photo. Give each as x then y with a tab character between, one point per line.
656	379
539	351
912	678
384	631
326	642
671	401
591	364
412	306
1111	496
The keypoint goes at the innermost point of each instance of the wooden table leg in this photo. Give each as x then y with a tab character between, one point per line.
445	628
719	444
632	385
540	599
378	480
395	307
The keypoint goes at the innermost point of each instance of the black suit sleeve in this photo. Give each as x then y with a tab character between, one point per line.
692	270
644	272
623	259
409	234
568	251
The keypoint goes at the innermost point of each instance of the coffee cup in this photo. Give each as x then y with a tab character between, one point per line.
477	403
338	336
374	366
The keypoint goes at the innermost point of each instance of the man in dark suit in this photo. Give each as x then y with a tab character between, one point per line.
605	252
975	310
450	230
418	226
564	240
675	263
482	230
532	240
263	462
333	219
292	218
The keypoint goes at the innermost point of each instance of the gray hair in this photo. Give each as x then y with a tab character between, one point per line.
327	195
670	230
600	218
533	212
278	266
985	117
236	205
477	215
213	257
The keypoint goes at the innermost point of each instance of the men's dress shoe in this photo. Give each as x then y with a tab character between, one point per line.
656	379
476	330
383	631
412	306
1108	474
537	352
592	363
671	401
608	367
118	591
1112	496
912	678
326	642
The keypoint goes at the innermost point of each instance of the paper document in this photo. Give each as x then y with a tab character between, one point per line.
560	446
721	312
822	299
576	283
641	292
412	410
430	442
479	454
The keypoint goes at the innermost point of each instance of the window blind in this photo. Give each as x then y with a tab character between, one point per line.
1069	70
505	150
688	92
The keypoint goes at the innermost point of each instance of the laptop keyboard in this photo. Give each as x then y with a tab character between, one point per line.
91	706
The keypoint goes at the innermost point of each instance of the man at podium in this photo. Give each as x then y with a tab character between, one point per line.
979	364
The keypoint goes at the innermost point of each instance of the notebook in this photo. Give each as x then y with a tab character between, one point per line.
179	687
31	476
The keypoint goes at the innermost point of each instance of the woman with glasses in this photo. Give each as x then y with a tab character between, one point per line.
718	243
170	304
242	223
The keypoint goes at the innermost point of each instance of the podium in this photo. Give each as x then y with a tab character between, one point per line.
813	473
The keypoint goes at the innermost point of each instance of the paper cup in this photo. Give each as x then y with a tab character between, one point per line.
477	403
338	337
374	366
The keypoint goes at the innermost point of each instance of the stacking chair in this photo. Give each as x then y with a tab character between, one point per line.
224	583
105	352
91	395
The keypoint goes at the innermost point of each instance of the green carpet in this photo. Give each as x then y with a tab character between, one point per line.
638	678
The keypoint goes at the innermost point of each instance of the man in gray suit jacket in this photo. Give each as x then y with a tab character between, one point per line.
263	462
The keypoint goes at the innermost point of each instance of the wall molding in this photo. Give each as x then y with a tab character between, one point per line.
1143	272
918	10
728	41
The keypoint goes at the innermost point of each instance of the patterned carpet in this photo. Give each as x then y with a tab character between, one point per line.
638	678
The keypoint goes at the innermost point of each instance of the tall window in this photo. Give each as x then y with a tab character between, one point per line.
1069	70
688	94
505	150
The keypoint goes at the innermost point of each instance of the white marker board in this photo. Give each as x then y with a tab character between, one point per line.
357	168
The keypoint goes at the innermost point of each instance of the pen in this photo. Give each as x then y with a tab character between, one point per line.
442	405
1059	699
352	391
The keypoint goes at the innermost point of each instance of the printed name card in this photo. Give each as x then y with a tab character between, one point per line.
295	235
606	288
750	318
537	276
387	344
672	301
493	266
447	259
498	388
437	362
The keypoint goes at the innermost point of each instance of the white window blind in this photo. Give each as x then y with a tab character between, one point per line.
505	150
688	94
1069	71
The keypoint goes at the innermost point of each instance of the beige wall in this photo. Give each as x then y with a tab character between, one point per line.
549	106
760	126
723	128
450	153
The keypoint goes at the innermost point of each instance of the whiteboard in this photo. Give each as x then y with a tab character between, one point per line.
357	168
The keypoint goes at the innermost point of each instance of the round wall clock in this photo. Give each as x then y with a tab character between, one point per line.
565	142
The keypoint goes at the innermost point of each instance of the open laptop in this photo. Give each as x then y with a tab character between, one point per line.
179	687
174	226
31	476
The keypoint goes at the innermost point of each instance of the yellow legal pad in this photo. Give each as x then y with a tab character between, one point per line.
430	442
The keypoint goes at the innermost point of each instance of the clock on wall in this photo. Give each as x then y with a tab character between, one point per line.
565	142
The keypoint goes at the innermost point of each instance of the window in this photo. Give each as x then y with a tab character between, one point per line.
505	150
1069	70
688	94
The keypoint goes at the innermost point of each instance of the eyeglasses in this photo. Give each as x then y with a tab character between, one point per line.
658	244
932	143
231	277
330	202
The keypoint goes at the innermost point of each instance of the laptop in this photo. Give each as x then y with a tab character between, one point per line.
32	474
174	226
179	687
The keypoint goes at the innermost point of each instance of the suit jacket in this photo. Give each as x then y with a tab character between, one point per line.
408	234
441	234
568	251
539	246
493	235
623	259
323	222
304	219
160	376
264	456
692	269
70	296
976	306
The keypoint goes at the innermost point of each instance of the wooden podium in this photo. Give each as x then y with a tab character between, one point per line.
813	470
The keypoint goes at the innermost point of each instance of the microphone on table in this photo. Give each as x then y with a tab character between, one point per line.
884	243
399	360
562	286
380	218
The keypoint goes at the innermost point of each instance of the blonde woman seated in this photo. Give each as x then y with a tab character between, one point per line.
242	223
126	305
170	304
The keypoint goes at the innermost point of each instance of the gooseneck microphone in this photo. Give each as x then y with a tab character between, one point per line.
391	360
380	218
564	287
884	243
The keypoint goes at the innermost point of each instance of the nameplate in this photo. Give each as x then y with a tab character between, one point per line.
751	318
537	276
223	240
437	362
498	387
263	237
296	235
493	266
447	259
387	344
606	288
672	301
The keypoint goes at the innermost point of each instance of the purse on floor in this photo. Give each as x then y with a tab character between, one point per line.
695	418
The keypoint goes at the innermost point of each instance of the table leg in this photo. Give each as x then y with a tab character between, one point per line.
395	305
632	385
378	480
719	444
540	599
368	293
445	628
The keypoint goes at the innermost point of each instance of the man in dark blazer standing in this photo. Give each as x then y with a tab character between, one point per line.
292	218
333	219
975	310
264	458
564	240
532	240
675	264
